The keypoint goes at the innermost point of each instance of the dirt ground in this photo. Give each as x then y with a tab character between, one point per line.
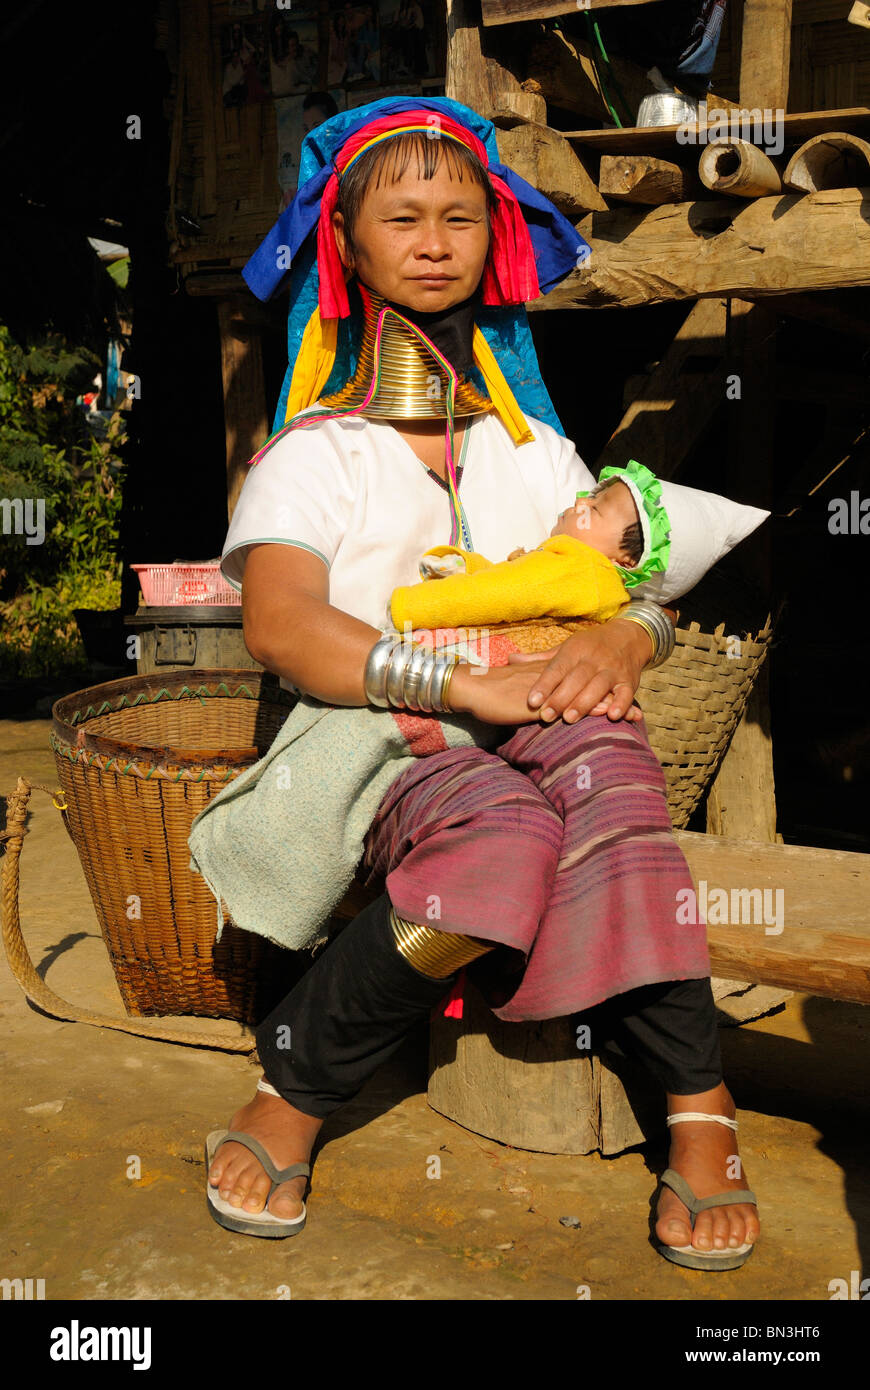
78	1102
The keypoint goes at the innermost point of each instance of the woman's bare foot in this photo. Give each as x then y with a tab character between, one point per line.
288	1137
705	1154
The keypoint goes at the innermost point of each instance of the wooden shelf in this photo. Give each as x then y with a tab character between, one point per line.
662	139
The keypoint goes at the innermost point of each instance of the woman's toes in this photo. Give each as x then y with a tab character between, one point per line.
737	1227
285	1204
721	1227
703	1234
258	1192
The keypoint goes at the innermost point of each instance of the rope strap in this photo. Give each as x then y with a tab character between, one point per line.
22	967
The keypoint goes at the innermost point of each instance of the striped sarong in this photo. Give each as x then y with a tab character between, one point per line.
557	843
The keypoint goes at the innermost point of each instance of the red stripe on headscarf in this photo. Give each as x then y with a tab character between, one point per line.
509	276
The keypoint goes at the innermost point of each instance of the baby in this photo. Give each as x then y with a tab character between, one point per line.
631	534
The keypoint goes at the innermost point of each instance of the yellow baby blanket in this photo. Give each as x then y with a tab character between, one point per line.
561	578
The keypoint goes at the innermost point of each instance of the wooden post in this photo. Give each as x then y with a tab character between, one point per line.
765	54
741	802
245	418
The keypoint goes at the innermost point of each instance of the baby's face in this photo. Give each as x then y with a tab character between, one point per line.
600	520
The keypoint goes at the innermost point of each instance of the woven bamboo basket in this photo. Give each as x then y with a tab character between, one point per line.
139	758
691	705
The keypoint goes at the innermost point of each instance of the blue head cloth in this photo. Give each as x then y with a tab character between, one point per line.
291	249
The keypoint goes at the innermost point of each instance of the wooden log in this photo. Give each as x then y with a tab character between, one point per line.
824	944
642	178
835	160
739	169
527	1085
467	78
765	53
246	421
512	108
513	11
675	404
542	157
859	14
767	246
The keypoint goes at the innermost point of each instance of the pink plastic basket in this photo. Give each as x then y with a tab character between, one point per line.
178	585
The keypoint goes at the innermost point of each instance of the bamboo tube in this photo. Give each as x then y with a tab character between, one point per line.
738	168
834	160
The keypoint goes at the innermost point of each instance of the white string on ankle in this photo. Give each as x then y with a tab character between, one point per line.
264	1085
696	1115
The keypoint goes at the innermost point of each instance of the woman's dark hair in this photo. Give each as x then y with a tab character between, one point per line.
388	161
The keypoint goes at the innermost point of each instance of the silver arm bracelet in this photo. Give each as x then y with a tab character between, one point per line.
375	679
405	676
654	622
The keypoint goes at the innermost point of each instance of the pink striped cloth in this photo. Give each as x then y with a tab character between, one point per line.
557	843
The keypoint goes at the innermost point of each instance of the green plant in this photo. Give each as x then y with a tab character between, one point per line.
48	455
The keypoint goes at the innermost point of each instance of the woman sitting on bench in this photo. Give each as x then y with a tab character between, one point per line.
561	889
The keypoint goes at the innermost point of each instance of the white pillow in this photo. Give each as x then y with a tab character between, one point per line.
704	527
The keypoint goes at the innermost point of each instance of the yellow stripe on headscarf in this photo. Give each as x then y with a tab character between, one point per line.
500	393
316	359
314	362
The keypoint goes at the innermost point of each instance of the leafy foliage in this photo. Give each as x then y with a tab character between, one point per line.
47	453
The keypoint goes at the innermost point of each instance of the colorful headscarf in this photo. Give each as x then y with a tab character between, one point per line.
533	248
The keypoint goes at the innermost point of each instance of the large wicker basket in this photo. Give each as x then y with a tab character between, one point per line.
139	758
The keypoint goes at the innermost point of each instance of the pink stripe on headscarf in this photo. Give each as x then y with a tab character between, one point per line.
509	276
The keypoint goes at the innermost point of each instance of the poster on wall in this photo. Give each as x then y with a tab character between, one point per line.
293	51
295	117
407	33
244	63
354	45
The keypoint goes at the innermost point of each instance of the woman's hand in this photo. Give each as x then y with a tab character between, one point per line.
595	671
497	694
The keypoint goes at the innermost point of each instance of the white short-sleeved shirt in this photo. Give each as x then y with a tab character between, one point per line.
354	492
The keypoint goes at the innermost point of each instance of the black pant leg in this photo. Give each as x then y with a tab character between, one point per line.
349	1013
671	1028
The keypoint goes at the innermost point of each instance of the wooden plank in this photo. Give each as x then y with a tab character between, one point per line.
675	405
824	944
662	140
246	421
769	246
514	11
765	54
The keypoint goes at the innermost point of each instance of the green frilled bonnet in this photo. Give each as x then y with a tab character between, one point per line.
655	523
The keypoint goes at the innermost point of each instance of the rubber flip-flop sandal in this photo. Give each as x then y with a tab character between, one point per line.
730	1258
263	1223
